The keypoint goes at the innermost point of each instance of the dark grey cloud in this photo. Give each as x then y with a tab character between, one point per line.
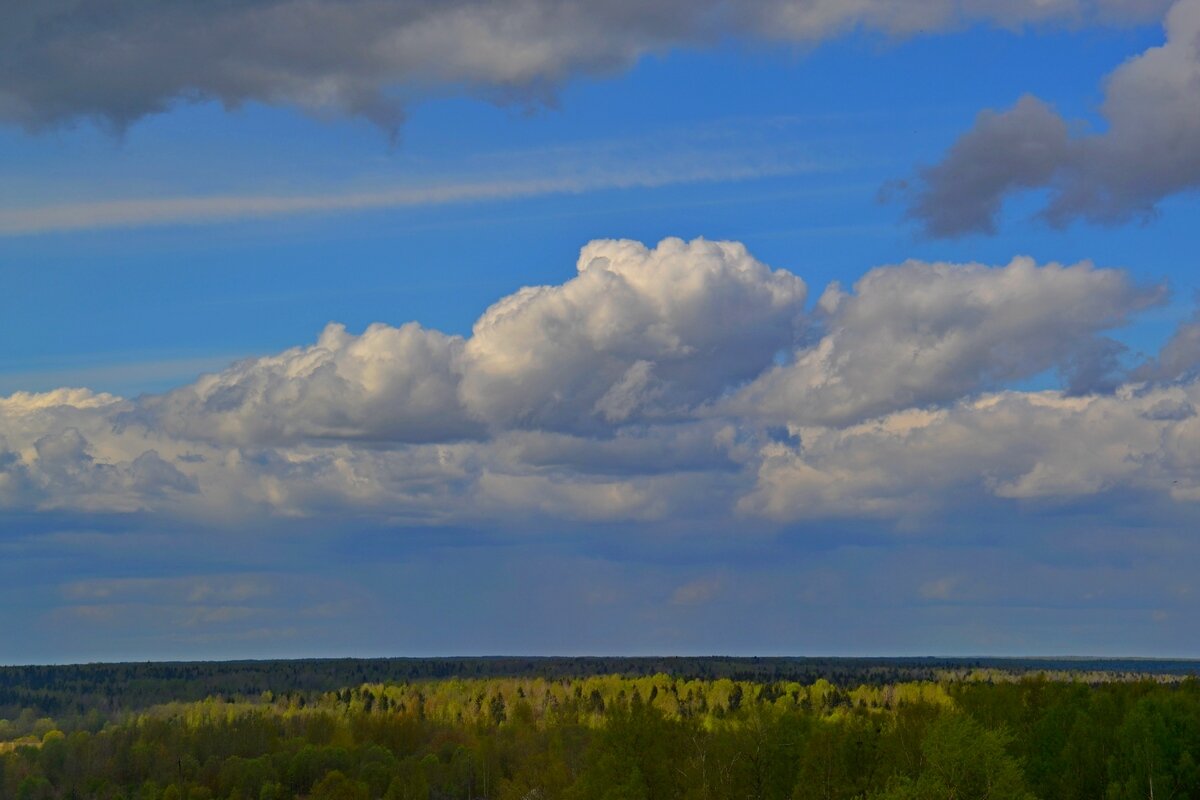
119	60
1149	149
1021	148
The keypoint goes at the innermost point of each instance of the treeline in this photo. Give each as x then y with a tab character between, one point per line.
74	691
623	738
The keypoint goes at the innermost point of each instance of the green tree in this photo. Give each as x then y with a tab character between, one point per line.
1157	747
963	761
336	786
35	788
410	782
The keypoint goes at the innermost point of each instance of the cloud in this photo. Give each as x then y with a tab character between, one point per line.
385	384
205	210
571	498
697	592
1179	356
685	386
940	588
62	470
638	334
63	60
193	609
192	589
1040	446
1022	148
1148	151
919	333
58	450
21	403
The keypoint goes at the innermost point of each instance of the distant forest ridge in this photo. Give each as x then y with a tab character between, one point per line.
112	687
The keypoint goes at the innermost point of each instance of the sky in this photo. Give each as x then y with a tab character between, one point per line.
779	327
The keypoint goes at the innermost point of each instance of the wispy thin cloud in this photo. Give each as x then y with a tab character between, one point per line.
212	209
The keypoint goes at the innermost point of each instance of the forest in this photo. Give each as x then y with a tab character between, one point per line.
70	691
538	733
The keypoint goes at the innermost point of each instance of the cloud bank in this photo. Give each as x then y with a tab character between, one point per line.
685	383
63	60
1148	150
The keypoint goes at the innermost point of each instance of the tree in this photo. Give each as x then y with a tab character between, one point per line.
963	761
410	782
336	786
1156	749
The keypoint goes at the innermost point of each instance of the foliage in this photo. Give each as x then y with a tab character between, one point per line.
632	737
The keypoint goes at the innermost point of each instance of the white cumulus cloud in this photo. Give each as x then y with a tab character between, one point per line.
638	334
685	385
921	333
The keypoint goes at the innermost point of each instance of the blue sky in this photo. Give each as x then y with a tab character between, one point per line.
672	448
